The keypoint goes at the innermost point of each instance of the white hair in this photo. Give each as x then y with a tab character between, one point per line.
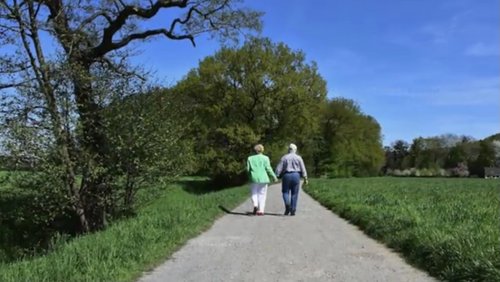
292	148
259	148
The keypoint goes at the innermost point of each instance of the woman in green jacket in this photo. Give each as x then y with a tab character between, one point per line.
259	171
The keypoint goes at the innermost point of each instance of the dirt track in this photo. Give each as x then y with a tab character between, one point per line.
314	245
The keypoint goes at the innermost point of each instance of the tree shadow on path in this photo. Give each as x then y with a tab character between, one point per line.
245	213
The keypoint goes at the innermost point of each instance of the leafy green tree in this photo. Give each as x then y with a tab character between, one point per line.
352	139
429	153
455	156
397	155
261	92
486	158
146	132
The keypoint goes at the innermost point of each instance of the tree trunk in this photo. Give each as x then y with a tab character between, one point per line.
95	188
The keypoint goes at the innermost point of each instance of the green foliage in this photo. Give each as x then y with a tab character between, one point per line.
261	92
145	133
352	144
33	209
127	248
447	226
457	156
397	155
486	157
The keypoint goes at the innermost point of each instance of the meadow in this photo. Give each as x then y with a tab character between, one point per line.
128	247
448	227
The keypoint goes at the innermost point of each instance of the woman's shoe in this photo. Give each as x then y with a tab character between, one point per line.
255	209
260	213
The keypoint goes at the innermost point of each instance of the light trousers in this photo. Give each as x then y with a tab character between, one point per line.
259	194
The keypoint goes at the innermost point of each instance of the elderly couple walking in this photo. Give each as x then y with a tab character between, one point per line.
290	169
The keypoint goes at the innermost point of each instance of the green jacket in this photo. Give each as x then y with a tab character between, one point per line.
259	169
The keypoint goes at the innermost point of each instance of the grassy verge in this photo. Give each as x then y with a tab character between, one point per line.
131	246
450	227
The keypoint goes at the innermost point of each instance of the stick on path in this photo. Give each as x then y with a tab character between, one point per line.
314	245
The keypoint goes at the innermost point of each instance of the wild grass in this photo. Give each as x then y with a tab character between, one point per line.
128	247
449	227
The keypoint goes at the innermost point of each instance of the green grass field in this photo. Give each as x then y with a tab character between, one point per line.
128	247
449	227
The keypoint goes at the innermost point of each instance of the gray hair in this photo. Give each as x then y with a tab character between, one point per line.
292	148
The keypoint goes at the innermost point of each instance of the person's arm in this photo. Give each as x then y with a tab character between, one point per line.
270	171
249	167
303	171
279	168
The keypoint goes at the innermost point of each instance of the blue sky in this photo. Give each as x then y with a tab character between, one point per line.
420	67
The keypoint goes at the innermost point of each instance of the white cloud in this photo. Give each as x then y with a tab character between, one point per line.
481	49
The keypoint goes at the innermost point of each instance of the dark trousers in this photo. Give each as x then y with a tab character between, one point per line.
291	185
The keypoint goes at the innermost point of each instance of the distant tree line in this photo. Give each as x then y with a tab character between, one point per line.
445	155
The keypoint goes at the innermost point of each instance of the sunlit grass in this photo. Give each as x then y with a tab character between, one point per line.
127	248
450	227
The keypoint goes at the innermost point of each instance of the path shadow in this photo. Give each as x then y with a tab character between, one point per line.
246	213
236	213
201	185
196	187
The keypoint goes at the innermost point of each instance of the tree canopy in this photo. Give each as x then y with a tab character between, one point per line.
261	92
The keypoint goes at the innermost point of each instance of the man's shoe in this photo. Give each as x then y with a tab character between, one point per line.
292	213
287	210
255	210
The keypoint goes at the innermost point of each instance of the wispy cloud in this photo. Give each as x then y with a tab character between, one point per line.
466	92
347	60
481	49
477	126
473	92
439	33
443	31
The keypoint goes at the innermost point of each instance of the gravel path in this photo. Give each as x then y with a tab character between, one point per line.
314	245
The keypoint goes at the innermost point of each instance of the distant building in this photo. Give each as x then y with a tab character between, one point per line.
492	172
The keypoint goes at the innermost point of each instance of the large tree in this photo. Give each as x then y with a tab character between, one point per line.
262	92
66	49
352	141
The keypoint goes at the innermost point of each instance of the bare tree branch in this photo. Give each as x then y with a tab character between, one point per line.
94	17
107	45
11	85
143	35
119	70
